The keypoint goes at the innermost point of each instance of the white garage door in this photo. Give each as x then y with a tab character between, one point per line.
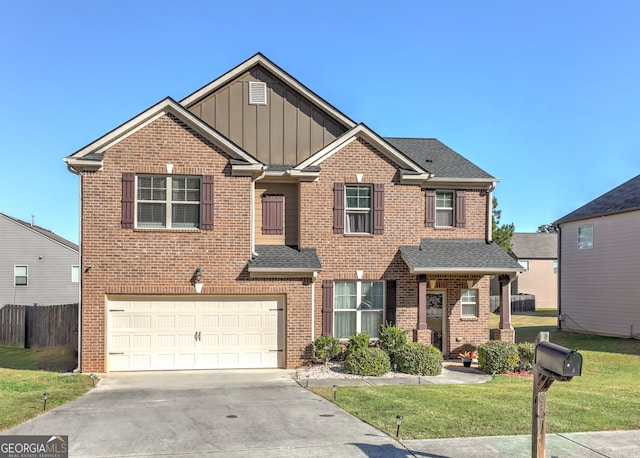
219	333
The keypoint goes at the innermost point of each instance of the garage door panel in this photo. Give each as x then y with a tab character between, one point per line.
187	334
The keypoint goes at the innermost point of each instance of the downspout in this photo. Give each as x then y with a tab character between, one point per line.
80	175
253	212
313	306
559	278
490	212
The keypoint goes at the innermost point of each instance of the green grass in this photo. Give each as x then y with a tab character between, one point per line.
605	397
25	375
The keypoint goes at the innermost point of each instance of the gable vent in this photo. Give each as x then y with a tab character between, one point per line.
257	93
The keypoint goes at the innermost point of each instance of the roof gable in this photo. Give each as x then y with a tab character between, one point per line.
535	245
90	157
623	198
42	232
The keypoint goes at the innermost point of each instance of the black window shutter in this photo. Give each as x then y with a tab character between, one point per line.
273	214
378	208
390	302
338	208
206	203
430	208
327	307
128	199
461	209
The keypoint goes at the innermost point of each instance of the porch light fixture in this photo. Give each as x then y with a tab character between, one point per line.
197	277
398	423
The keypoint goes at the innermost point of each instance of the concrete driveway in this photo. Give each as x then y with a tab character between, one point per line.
208	413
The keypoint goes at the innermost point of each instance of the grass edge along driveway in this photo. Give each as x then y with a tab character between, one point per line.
606	397
22	386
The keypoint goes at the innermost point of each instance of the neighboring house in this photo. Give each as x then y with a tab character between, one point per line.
538	253
599	264
38	266
232	228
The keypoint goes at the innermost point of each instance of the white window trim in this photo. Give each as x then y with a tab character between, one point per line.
15	275
167	202
75	278
452	208
357	310
524	263
365	211
462	314
580	247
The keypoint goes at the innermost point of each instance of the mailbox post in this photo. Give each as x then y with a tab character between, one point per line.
552	362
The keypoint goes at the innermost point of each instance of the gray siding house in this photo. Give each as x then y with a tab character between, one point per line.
600	263
38	266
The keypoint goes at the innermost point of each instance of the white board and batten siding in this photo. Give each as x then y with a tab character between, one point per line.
598	285
146	334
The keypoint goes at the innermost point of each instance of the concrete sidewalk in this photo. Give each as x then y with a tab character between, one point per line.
611	444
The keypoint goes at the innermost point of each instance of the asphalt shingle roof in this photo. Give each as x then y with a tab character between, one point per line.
624	198
459	255
535	245
283	258
437	158
45	232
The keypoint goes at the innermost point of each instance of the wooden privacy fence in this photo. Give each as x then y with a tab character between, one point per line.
519	303
32	326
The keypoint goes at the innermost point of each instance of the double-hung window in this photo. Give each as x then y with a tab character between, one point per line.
20	275
469	303
358	308
444	208
168	201
358	209
585	237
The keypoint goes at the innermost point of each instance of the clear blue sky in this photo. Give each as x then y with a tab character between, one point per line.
544	95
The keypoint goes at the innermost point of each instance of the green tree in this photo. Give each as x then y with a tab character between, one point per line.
501	234
547	228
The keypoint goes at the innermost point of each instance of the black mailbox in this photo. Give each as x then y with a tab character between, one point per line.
558	359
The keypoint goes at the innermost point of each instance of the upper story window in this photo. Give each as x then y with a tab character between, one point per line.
585	237
524	263
20	275
168	201
444	208
358	209
75	274
358	307
555	267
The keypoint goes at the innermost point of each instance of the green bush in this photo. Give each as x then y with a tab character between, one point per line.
419	358
526	355
496	357
357	342
392	338
326	348
367	361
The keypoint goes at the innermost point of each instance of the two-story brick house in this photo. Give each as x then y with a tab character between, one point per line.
232	228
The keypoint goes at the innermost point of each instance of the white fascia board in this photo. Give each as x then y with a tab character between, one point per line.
242	170
361	131
152	114
279	73
462	270
459	183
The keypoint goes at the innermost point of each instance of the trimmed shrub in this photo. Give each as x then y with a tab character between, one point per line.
496	357
367	361
357	342
392	338
419	358
526	355
326	348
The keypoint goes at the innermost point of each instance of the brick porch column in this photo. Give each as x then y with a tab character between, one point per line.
505	332
422	333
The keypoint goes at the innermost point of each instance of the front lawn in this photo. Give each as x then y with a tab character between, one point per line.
23	383
605	397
